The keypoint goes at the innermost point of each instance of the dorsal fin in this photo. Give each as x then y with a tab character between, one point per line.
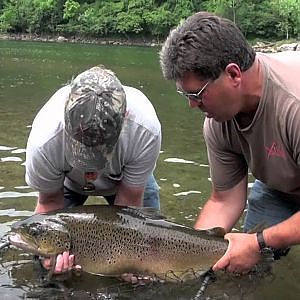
149	212
215	231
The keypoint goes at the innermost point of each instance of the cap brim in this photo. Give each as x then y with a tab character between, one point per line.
83	157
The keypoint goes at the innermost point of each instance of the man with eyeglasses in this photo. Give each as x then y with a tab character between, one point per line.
94	136
196	97
252	107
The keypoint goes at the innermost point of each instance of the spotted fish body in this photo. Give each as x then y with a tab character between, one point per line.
113	240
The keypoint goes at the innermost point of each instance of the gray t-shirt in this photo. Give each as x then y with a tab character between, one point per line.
270	145
132	160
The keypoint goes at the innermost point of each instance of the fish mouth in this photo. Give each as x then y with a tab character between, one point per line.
18	241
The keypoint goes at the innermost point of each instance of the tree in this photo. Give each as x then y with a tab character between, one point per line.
159	21
288	12
71	9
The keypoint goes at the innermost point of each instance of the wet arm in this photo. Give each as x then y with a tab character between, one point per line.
223	209
284	234
129	196
50	201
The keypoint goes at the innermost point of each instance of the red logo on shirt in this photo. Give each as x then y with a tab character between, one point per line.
275	150
90	176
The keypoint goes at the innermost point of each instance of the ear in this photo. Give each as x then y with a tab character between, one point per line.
233	71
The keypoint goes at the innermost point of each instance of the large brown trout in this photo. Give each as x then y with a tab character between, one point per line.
113	240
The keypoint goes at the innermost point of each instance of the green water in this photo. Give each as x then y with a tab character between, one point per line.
30	72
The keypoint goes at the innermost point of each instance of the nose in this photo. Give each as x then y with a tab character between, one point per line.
193	103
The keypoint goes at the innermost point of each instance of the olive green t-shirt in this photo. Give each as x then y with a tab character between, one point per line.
270	145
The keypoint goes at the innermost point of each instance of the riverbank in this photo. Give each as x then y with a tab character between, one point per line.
260	46
83	40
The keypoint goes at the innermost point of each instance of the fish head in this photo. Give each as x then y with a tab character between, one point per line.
41	234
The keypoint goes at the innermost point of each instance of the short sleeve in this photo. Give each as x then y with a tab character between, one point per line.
227	163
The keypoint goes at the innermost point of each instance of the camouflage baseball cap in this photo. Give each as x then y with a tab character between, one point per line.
94	116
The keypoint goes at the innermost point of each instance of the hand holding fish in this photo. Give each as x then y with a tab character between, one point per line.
64	263
241	255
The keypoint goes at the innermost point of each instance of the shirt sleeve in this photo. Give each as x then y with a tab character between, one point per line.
139	168
226	161
41	174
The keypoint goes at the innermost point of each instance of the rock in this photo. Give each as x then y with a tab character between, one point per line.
288	47
61	39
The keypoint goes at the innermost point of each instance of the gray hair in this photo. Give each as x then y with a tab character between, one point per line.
205	44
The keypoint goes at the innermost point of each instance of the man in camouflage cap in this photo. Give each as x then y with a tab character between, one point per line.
94	137
94	115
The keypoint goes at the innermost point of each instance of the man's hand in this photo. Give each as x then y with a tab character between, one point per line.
241	255
64	263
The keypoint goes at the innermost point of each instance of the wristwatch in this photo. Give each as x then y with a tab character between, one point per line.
261	240
263	248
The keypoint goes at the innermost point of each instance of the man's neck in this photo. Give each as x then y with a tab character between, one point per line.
245	119
252	87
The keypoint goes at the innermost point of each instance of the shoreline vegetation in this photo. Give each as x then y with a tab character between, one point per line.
259	46
140	22
143	42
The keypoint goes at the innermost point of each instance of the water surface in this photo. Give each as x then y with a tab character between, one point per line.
30	72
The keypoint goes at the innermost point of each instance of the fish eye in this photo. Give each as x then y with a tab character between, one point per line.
35	230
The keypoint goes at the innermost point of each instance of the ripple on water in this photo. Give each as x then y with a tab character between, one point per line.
6	148
11	158
11	212
179	160
17	151
187	193
11	194
22	187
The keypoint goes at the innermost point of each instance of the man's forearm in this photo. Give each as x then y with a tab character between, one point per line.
284	234
216	214
129	196
49	201
223	208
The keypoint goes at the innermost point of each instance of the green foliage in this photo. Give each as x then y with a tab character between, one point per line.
32	16
8	20
159	21
99	18
288	14
183	9
71	8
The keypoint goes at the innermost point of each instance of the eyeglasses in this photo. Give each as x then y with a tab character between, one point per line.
195	96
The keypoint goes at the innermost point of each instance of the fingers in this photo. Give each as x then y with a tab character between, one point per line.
222	263
129	277
46	263
64	262
71	261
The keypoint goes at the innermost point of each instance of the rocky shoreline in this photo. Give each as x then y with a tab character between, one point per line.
267	47
83	40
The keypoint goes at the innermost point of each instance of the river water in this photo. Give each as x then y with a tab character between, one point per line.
30	72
